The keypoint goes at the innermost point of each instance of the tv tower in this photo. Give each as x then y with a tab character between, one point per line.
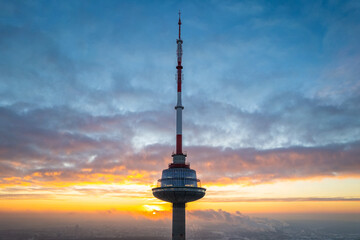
178	183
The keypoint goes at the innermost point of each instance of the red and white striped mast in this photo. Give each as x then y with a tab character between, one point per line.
179	106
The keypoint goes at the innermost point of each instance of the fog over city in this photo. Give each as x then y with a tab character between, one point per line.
208	224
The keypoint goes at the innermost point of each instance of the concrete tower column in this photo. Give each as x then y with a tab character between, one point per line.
178	224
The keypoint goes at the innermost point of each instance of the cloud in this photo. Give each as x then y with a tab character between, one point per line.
227	222
93	101
282	120
57	65
27	196
64	144
53	192
299	199
257	166
34	68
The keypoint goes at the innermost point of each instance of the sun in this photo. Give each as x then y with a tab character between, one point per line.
152	208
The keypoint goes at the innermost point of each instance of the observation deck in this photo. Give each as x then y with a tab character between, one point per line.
179	185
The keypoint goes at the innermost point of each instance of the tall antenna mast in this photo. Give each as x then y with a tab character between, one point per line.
179	106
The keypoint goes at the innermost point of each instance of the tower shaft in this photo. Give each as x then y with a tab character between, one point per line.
178	224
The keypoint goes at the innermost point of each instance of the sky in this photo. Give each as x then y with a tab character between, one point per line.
271	93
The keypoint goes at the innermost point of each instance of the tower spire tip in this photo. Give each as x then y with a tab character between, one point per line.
179	24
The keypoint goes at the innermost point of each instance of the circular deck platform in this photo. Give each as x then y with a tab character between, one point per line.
179	194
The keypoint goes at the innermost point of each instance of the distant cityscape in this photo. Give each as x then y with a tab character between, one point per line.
113	232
